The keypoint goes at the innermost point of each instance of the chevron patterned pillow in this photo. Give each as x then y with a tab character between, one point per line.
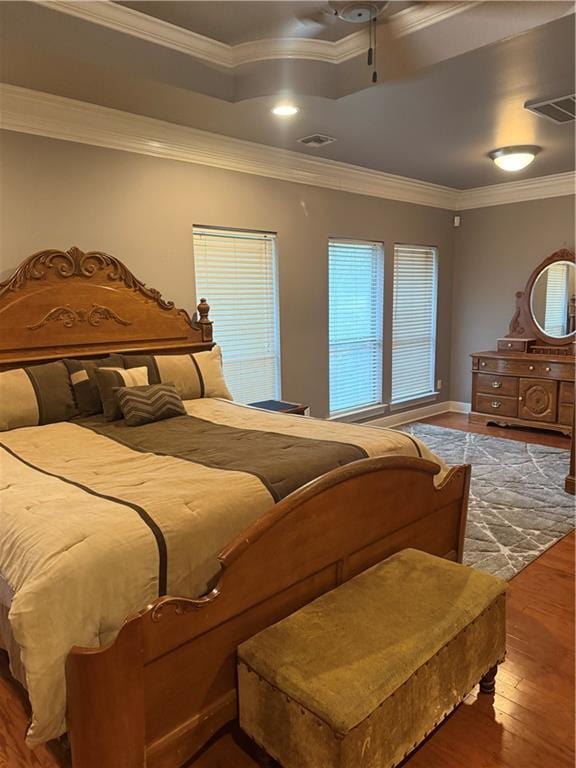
145	404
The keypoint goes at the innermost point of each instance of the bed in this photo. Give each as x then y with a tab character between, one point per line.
210	526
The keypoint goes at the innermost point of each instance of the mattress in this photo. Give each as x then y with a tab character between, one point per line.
99	519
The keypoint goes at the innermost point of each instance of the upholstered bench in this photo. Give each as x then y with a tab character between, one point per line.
359	677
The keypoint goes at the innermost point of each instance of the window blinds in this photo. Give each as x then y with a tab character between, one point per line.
236	272
414	322
356	281
555	319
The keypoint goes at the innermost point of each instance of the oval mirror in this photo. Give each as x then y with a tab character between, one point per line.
553	300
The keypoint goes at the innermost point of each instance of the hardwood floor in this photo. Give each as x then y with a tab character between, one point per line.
529	723
460	421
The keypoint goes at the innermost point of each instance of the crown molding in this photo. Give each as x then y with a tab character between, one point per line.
123	19
131	22
418	17
556	185
44	114
57	117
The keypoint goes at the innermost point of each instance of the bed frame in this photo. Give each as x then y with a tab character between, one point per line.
167	684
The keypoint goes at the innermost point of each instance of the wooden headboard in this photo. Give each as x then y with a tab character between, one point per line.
71	303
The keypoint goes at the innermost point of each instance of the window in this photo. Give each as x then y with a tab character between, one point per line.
556	300
356	283
414	322
236	272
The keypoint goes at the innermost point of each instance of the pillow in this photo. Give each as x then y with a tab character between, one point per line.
194	376
143	405
84	384
110	379
38	394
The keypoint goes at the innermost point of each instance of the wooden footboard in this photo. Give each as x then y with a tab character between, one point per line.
168	682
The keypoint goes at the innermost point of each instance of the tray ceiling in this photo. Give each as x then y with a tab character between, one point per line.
436	125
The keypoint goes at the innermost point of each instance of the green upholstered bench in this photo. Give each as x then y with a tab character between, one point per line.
359	677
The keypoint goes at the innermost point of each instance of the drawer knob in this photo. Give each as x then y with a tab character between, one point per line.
496	384
483	365
530	367
548	369
496	403
510	344
520	398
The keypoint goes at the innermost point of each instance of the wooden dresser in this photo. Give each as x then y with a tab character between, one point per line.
529	379
523	388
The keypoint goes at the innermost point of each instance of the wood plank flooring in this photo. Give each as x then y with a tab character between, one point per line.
529	723
460	421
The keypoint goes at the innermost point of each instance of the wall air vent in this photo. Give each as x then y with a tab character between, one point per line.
560	110
316	140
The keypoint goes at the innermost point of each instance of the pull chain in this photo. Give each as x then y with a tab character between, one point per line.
373	57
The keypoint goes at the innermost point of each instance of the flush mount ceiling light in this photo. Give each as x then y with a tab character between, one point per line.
514	158
285	110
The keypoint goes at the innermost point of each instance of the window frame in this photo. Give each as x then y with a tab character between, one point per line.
370	409
273	236
432	394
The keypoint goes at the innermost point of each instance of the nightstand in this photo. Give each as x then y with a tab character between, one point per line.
282	407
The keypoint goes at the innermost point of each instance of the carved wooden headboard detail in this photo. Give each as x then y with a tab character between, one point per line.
70	303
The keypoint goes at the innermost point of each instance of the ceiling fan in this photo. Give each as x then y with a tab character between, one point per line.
371	14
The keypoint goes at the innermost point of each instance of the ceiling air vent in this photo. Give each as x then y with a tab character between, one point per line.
316	140
560	110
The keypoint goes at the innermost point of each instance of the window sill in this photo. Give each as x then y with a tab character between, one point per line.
361	414
401	405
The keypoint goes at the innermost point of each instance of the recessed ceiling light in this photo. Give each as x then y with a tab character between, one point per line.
285	110
514	158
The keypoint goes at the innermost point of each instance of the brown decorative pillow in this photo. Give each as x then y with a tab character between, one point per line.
143	405
84	382
194	376
38	394
110	379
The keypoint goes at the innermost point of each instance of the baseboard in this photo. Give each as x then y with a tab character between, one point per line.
417	414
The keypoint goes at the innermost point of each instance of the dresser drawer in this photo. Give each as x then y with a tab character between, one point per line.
524	367
513	345
493	384
566	414
567	392
497	405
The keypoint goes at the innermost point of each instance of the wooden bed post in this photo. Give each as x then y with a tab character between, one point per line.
105	690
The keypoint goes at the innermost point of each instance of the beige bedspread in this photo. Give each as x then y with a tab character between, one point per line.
97	520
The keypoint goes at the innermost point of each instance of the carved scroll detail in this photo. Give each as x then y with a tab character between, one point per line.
181	605
69	316
102	267
75	262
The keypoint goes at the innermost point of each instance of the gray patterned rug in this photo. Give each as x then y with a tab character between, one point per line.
518	507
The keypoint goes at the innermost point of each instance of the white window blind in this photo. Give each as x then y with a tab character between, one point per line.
236	272
555	319
356	283
414	322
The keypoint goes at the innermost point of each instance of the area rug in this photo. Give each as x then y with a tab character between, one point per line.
518	507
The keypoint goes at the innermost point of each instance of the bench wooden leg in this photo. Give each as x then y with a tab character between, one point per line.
488	682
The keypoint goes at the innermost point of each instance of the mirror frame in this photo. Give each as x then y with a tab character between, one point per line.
562	255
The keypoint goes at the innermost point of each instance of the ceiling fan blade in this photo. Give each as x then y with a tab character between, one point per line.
304	26
314	23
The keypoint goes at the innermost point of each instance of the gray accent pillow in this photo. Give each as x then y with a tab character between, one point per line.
84	384
143	405
109	379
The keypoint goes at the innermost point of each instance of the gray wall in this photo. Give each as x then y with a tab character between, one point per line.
496	249
56	194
